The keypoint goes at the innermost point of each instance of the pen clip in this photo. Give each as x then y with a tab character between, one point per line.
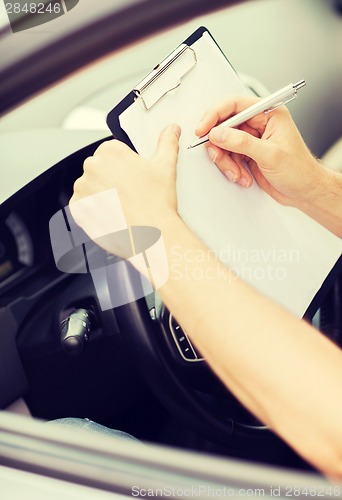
280	103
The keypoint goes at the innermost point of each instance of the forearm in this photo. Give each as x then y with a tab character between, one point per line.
324	203
282	369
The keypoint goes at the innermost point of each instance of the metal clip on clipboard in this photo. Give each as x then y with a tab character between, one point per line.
166	76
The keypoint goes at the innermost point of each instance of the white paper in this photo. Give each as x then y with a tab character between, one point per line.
278	250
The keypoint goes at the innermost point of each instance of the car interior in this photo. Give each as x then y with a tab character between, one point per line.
133	368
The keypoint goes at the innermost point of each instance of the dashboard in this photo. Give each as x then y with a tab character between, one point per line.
35	298
16	248
24	238
25	248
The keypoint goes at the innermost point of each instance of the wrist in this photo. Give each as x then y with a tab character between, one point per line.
167	221
316	186
323	202
169	226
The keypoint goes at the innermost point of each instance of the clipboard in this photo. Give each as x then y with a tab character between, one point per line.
249	231
184	58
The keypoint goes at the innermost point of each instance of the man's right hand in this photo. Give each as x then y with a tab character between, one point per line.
273	148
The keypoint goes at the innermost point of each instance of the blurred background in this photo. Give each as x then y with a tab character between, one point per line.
273	42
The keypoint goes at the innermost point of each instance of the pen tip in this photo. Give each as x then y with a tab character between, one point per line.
189	147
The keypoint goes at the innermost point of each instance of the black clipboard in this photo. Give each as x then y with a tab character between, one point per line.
322	293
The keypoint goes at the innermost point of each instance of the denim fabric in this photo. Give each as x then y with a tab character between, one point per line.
86	425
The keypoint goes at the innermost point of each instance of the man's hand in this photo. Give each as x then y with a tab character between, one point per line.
275	152
146	188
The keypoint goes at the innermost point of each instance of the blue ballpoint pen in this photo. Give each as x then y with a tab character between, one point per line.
265	105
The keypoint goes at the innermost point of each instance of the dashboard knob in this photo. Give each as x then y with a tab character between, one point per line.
75	330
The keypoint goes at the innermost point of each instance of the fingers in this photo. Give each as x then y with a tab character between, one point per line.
231	165
238	141
113	148
225	109
266	185
258	176
209	120
168	144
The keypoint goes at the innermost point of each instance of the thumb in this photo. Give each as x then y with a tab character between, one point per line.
238	141
168	144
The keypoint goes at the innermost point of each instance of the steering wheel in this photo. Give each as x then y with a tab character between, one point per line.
185	384
178	375
173	369
167	360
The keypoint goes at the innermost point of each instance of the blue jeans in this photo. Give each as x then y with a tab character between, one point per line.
86	425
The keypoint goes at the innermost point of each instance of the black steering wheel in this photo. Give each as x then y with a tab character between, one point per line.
183	381
178	375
